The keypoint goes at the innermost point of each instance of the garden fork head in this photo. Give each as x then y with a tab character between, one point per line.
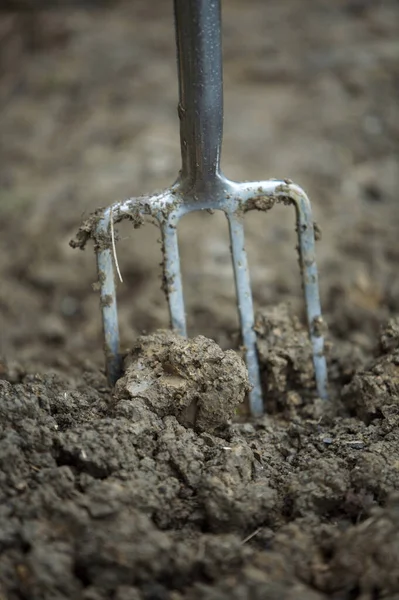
202	186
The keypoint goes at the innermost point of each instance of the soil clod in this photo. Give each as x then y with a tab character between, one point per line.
194	380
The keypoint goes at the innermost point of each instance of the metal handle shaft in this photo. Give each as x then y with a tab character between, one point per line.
199	55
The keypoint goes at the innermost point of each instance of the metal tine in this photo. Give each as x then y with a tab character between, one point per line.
172	275
245	309
236	199
109	310
153	206
291	193
202	186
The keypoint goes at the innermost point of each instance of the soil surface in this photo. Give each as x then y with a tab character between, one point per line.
163	488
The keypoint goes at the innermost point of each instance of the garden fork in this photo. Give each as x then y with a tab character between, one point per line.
202	186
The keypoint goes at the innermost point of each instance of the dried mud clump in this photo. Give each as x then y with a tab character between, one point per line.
103	498
115	499
285	356
373	392
193	380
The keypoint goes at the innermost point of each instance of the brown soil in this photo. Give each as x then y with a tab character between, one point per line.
161	489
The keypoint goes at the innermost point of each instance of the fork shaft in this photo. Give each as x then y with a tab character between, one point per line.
199	57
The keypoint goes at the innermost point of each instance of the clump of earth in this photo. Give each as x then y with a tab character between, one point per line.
156	490
194	380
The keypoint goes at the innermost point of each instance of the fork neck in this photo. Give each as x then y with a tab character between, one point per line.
199	57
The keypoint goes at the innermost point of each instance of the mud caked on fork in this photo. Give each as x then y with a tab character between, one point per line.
202	186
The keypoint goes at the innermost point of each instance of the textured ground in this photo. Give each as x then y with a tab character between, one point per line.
113	494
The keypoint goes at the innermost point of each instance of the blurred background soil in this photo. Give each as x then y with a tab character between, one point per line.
88	98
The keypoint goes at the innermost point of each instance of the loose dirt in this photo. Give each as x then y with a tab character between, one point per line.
163	488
